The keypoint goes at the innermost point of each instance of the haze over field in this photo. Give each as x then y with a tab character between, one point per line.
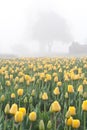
41	26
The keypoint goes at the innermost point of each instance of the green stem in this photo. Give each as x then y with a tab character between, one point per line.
69	127
56	97
30	107
79	104
5	125
30	126
69	100
39	104
13	125
65	128
84	120
19	101
55	121
17	128
21	126
0	108
44	106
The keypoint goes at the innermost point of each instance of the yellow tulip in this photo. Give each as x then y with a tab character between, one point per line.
19	116
80	88
70	89
32	116
84	105
22	109
21	80
56	91
72	110
54	74
55	107
8	83
42	75
44	96
16	79
27	77
20	92
13	109
13	95
69	121
48	77
59	84
75	123
56	79
11	76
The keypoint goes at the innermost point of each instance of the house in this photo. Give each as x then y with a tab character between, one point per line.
76	49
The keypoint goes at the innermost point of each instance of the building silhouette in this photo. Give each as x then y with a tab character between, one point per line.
78	49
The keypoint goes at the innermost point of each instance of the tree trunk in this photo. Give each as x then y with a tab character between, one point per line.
50	46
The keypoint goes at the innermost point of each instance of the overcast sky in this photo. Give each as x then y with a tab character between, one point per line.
17	18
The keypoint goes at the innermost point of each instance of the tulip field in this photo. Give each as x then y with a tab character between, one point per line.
43	93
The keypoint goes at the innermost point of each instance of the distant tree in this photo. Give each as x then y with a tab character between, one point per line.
20	49
50	27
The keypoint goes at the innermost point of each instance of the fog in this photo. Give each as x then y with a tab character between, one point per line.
42	27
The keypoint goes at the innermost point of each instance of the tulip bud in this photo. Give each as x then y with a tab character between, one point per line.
49	124
40	95
7	109
41	125
85	95
25	100
67	114
2	98
16	87
33	92
13	95
1	87
66	95
30	99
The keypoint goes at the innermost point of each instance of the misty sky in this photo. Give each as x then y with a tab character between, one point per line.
17	17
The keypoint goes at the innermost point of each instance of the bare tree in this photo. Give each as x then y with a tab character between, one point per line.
50	27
